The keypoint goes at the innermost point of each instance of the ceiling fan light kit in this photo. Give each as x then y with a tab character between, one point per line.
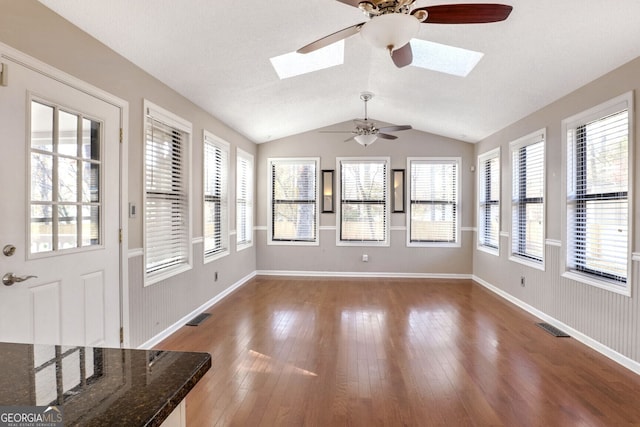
393	23
391	31
366	132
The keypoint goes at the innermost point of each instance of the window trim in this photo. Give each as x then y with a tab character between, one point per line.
595	113
530	139
386	241
458	241
491	154
208	137
278	242
170	119
240	153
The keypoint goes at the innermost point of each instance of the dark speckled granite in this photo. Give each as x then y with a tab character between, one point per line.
99	386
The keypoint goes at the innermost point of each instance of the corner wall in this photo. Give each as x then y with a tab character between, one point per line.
397	259
610	320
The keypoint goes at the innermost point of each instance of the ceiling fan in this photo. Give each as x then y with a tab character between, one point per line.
393	23
366	131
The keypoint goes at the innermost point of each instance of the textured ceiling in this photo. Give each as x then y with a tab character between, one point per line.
217	55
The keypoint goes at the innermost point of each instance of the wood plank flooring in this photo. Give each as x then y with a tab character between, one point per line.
394	352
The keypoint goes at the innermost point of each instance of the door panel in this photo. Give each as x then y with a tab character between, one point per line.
66	235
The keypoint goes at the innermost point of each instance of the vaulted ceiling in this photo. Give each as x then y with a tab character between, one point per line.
217	54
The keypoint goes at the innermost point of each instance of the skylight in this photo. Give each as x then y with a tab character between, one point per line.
443	58
293	63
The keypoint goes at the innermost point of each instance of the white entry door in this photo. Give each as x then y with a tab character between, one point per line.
59	213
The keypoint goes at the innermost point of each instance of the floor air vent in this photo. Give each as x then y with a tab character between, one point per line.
552	330
198	319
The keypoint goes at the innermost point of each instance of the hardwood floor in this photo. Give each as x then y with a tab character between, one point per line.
393	352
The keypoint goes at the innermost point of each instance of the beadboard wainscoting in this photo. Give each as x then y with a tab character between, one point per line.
160	309
606	321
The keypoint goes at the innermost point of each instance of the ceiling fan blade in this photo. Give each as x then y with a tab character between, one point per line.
394	128
386	136
473	13
353	3
403	56
331	38
350	139
335	131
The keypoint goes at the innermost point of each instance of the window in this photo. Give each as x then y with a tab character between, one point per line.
293	196
66	169
167	186
216	190
489	201
363	201
244	199
433	201
527	199
598	212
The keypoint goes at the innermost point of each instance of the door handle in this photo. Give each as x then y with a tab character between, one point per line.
10	278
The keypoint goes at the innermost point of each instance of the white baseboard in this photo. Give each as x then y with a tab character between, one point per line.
180	323
362	274
584	339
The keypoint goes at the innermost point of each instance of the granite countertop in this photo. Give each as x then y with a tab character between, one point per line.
99	386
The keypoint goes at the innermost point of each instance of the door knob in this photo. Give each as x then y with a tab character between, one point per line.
10	278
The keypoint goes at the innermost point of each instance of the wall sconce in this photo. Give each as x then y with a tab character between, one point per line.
398	190
327	191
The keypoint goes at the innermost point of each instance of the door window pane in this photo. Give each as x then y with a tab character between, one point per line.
90	140
67	180
41	127
65	175
67	134
41	228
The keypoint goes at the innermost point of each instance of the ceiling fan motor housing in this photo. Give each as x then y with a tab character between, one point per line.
382	7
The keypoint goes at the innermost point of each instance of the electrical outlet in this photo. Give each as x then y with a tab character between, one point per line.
365	258
522	281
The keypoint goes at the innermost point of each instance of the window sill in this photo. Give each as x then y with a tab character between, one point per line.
214	257
157	277
538	265
489	250
243	246
602	284
433	245
362	244
291	243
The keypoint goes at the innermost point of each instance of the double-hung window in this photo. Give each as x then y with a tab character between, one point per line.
598	212
294	201
215	197
244	199
167	194
527	199
433	202
363	207
489	201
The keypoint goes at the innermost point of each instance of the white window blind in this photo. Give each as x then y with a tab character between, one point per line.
489	200
167	240
598	193
363	200
216	206
433	204
244	199
527	197
294	207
